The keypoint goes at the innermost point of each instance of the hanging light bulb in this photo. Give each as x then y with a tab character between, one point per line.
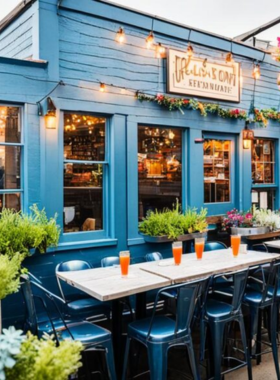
150	40
102	87
190	51
120	37
256	71
171	135
160	50
229	58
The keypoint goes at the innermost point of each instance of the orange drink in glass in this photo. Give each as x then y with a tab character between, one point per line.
177	250
235	243
199	247
124	262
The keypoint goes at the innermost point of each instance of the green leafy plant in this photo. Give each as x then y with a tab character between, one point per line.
173	223
21	232
39	359
10	271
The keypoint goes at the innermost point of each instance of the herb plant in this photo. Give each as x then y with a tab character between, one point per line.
42	360
174	223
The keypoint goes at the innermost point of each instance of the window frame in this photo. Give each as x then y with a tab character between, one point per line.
21	146
87	236
216	208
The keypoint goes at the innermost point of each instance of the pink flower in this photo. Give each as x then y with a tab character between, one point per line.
248	216
278	39
237	111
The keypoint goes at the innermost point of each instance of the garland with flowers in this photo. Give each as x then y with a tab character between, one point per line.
260	116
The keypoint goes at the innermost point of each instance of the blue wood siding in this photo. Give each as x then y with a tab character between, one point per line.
16	41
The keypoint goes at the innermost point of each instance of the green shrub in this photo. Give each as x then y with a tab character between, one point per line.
173	223
21	232
10	271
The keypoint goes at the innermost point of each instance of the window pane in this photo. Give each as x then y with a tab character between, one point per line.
216	160
83	187
9	167
263	162
10	201
10	124
263	198
84	137
159	168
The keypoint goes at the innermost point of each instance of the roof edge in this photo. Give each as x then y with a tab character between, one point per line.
15	13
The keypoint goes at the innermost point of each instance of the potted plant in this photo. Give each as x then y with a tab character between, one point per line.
168	225
28	358
251	223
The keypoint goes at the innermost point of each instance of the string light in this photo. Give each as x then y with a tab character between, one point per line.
120	37
256	74
278	81
190	51
229	58
150	40
160	50
102	87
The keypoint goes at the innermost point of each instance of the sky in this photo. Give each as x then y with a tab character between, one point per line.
225	17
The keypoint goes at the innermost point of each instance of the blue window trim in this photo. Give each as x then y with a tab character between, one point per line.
223	207
22	155
89	238
134	238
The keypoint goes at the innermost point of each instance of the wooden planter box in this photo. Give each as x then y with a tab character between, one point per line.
165	239
247	231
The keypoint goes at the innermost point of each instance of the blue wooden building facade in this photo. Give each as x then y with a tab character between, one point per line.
45	42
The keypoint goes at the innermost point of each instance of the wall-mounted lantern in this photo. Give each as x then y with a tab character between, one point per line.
50	117
248	136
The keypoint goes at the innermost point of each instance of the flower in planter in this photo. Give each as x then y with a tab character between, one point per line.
235	218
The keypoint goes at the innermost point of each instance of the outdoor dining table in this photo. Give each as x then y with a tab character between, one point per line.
273	244
107	284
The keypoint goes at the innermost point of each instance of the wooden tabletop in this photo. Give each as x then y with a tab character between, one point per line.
107	284
268	235
213	262
273	243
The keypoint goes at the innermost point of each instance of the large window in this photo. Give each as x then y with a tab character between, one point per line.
263	161
159	168
216	158
84	168
10	158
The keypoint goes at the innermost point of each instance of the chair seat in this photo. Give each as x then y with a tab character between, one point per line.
44	324
85	332
254	297
217	309
88	305
163	328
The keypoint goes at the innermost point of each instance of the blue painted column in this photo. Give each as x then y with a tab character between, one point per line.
195	170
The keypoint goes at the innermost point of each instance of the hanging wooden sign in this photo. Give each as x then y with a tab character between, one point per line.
199	77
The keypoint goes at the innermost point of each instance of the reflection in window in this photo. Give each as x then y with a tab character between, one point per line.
84	141
263	161
10	157
216	159
159	168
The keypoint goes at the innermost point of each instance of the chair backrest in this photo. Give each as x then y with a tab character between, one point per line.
259	247
188	296
214	246
154	256
31	317
110	261
69	293
271	281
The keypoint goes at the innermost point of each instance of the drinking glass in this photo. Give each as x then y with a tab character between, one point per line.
177	250
235	243
124	262
199	247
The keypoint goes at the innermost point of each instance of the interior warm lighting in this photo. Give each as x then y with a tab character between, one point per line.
102	87
50	117
120	37
229	58
248	136
160	51
190	51
150	40
256	71
171	135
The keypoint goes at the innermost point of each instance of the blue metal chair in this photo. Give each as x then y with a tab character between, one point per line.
93	337
263	296
79	303
214	246
259	247
159	333
110	261
154	256
219	314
